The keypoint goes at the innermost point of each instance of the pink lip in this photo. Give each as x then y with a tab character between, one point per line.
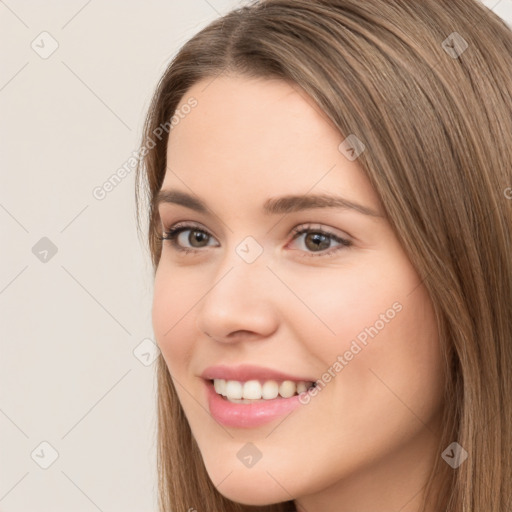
247	415
247	372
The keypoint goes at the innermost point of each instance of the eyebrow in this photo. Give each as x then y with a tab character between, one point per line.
272	206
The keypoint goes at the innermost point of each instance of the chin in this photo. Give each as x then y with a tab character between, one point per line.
248	486
251	496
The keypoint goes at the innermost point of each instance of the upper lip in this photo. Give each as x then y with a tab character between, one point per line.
247	372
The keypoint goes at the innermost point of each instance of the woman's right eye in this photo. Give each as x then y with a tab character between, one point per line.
179	239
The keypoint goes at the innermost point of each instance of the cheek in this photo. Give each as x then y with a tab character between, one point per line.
341	306
374	324
173	322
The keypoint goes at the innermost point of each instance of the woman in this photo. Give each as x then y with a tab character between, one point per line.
329	223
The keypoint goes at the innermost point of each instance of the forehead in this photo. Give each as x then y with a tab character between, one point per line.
257	136
245	110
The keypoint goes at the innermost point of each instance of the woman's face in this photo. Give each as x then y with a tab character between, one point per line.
352	316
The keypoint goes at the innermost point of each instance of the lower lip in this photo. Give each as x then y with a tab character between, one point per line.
248	415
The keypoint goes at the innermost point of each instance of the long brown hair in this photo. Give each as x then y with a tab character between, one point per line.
427	86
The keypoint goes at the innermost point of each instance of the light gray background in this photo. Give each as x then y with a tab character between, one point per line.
76	335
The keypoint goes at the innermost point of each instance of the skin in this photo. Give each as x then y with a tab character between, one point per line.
366	441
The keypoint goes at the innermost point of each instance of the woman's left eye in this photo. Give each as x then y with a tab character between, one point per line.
316	240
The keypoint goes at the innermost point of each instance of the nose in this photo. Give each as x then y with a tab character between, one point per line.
240	303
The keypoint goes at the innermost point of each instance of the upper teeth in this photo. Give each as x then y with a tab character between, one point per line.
256	390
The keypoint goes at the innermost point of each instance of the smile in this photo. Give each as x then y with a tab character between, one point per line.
257	391
251	413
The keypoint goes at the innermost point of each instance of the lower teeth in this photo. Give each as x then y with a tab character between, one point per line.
244	400
248	401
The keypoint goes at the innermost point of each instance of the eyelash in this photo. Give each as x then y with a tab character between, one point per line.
172	233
